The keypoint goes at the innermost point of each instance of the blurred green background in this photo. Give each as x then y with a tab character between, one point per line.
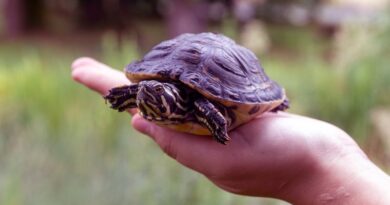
60	144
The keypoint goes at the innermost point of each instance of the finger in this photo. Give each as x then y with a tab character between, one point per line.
196	152
97	76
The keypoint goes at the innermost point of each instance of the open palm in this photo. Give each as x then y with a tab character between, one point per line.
269	156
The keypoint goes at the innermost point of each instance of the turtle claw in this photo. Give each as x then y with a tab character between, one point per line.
221	137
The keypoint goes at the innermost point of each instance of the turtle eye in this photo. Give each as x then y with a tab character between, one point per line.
159	89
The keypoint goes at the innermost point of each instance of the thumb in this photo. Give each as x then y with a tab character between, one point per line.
195	152
163	137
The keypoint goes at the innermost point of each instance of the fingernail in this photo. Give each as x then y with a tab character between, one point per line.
81	62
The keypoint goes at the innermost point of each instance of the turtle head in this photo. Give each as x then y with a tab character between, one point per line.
160	101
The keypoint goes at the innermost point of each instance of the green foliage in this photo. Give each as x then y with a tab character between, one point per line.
344	91
60	144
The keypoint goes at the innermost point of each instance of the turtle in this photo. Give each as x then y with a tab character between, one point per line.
204	84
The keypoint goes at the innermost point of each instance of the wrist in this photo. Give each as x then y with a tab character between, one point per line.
349	179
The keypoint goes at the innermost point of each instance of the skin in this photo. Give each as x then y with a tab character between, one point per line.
166	104
285	156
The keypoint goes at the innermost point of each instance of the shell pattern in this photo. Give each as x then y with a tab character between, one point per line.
212	64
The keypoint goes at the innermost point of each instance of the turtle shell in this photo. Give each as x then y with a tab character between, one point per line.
212	64
216	67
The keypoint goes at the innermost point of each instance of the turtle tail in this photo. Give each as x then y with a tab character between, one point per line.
285	105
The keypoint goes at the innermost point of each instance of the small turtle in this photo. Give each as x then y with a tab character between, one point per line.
202	84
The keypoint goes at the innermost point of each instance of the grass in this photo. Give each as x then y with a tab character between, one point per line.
60	144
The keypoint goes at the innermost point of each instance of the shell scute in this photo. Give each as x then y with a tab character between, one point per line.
213	65
225	62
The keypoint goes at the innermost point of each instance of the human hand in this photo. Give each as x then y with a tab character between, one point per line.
285	156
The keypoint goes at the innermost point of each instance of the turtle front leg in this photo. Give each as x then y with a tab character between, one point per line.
208	115
123	97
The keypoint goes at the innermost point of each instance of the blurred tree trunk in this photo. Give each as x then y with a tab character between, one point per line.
186	16
22	15
13	15
34	10
92	13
